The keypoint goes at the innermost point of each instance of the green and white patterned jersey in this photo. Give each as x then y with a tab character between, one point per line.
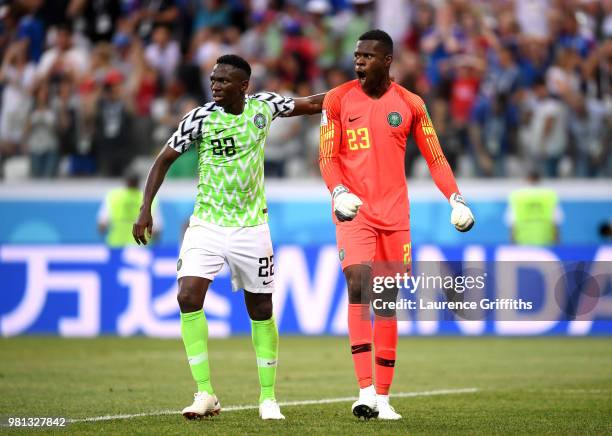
231	158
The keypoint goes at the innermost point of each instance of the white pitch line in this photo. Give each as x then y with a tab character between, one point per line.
285	403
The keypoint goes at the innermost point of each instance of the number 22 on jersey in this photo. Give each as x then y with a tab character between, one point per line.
358	138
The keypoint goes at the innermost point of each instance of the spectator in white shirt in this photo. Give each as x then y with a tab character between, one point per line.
163	53
17	75
63	59
545	136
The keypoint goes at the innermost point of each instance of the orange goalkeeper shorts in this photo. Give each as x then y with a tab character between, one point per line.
360	243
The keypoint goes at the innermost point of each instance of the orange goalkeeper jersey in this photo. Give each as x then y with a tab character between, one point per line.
363	144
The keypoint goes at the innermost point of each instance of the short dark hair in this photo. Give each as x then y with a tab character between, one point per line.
540	80
380	36
131	177
64	26
235	61
162	26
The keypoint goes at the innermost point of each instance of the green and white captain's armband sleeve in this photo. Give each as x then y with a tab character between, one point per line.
280	106
190	128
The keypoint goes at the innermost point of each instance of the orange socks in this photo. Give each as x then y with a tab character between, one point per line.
360	336
385	344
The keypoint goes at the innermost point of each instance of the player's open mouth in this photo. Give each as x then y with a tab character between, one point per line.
361	76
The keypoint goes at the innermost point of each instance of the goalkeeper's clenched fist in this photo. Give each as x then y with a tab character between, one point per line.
461	216
346	205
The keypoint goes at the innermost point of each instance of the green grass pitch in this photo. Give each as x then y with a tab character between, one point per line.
520	385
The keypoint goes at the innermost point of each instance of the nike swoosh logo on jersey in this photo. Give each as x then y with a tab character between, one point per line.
220	131
353	119
267	283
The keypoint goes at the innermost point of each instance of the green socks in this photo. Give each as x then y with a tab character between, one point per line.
265	342
194	331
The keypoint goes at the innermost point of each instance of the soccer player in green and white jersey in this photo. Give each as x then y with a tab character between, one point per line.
229	222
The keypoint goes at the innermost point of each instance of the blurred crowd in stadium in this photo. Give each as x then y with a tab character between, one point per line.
90	87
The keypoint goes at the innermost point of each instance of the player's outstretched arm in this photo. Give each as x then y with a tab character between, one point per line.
308	105
143	227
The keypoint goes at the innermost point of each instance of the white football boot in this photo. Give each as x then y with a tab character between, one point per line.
386	410
365	406
204	405
268	409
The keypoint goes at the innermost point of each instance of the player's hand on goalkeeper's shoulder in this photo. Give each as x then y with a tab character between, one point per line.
461	216
346	204
143	227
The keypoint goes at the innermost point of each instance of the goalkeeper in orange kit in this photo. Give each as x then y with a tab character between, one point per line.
364	127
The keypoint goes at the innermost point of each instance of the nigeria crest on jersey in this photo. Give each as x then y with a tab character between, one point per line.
394	119
260	121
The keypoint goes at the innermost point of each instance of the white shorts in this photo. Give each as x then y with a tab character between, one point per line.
247	251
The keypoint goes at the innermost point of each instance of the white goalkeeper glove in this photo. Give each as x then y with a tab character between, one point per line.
346	205
461	216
